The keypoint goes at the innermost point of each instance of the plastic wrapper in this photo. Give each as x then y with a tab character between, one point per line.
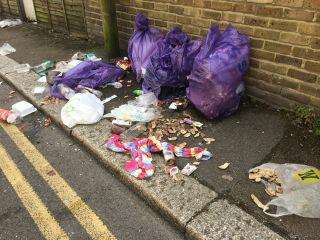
142	44
6	49
296	187
171	63
82	108
216	81
142	109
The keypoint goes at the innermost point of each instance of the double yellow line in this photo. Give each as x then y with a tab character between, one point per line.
38	211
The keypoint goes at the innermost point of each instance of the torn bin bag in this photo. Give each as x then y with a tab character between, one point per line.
142	44
216	81
91	74
170	64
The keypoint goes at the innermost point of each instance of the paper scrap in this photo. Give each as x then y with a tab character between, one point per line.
188	169
224	166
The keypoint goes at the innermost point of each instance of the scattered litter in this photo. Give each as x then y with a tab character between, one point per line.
91	57
39	90
82	108
49	100
115	85
8	116
227	177
23	108
47	122
259	203
10	23
22	68
109	98
140	166
137	92
12	92
6	49
179	104
124	64
173	106
174	127
191	122
78	56
43	68
174	172
172	139
42	79
1	83
224	166
187	135
142	109
209	140
120	122
188	169
295	186
66	91
196	163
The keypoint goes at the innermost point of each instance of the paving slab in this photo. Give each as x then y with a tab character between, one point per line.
222	220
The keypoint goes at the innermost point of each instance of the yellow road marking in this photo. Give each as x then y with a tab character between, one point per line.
86	217
38	211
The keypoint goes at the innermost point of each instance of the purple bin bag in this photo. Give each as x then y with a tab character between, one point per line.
216	81
142	44
171	63
92	74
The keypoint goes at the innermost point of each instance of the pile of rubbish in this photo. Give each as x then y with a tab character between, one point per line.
17	112
172	70
209	72
295	188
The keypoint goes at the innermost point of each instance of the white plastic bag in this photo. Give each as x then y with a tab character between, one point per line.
300	187
82	108
141	109
6	49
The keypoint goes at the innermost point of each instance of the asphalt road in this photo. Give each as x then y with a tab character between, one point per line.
74	198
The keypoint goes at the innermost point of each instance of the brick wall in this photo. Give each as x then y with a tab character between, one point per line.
285	34
9	8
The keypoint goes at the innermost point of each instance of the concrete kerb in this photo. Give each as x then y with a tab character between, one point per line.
183	204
